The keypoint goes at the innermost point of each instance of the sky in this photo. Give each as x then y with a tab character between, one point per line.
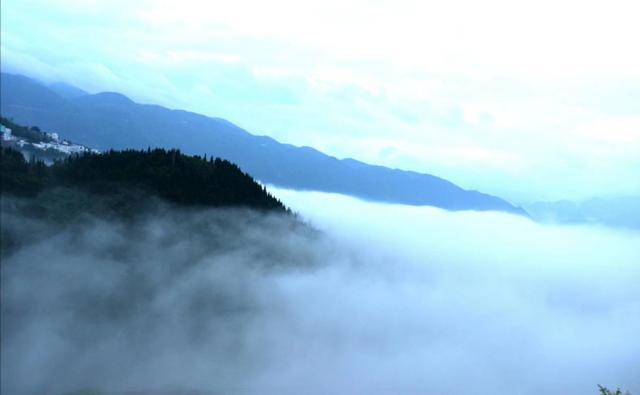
526	100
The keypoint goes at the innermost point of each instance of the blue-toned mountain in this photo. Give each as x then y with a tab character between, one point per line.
113	121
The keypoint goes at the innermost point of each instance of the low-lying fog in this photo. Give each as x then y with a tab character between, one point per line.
386	299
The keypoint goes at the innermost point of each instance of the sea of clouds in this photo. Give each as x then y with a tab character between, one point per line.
380	299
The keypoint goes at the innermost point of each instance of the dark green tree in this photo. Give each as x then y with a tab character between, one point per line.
606	391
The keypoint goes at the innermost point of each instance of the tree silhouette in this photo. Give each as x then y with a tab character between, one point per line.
169	174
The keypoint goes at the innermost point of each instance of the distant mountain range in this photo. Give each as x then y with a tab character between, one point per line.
113	121
617	212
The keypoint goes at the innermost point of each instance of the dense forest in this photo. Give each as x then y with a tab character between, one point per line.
167	174
122	185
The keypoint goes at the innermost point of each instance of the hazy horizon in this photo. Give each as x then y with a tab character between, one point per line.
135	261
383	299
531	103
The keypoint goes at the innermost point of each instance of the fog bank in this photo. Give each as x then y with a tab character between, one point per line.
385	299
471	302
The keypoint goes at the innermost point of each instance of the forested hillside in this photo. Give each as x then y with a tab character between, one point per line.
120	185
110	120
168	174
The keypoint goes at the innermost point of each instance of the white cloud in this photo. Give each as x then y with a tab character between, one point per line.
187	56
474	302
389	299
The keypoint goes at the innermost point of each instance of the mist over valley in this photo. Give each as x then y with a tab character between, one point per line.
319	197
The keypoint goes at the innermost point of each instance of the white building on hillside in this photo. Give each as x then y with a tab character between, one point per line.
54	136
6	133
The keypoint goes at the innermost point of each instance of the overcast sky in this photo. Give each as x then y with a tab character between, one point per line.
537	100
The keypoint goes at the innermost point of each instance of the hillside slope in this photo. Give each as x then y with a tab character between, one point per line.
168	174
113	121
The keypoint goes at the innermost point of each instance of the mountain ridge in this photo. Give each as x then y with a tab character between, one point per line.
113	121
621	212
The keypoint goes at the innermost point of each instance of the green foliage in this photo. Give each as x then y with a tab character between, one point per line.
606	391
119	185
171	175
20	177
167	174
